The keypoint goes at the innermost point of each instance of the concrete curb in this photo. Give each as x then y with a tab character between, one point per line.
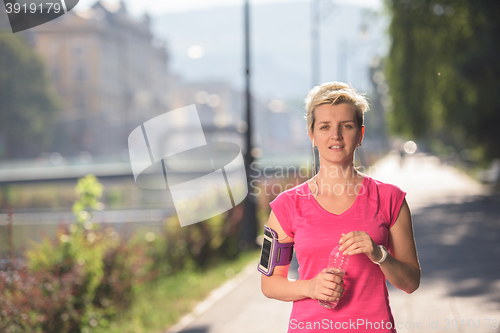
213	298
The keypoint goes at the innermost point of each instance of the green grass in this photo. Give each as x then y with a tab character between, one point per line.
161	304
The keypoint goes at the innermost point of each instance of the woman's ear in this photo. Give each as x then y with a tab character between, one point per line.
311	138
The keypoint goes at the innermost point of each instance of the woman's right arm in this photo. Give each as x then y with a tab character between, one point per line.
324	286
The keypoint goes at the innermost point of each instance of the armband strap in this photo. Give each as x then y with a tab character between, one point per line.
273	253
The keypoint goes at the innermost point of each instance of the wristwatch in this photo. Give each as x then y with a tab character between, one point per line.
384	255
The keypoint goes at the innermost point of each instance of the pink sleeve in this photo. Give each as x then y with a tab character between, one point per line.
282	207
396	197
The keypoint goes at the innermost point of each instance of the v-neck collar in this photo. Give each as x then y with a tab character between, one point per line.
348	210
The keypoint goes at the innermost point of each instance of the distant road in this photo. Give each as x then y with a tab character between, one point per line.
105	216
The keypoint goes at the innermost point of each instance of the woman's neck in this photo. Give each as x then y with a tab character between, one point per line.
337	180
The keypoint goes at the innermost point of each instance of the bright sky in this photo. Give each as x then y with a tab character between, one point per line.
159	7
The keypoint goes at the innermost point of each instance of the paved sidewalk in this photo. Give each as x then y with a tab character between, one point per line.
457	230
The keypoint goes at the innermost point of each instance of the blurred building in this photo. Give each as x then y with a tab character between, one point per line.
281	130
376	134
110	73
219	108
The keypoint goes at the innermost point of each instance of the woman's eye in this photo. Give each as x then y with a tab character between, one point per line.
348	126
323	127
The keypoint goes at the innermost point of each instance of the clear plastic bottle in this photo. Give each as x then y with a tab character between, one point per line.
337	264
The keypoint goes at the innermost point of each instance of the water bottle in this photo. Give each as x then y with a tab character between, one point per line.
337	264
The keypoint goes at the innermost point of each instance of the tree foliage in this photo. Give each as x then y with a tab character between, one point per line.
27	104
444	74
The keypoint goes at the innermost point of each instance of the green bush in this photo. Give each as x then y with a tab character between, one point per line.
196	246
78	281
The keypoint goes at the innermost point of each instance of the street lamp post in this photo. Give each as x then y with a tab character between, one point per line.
315	48
249	222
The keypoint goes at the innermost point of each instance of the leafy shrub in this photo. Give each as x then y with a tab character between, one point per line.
78	281
196	246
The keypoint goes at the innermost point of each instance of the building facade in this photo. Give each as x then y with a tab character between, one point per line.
110	73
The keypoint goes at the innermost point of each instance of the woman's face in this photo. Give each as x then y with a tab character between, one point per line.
336	133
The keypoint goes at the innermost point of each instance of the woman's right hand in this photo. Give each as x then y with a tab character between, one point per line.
326	287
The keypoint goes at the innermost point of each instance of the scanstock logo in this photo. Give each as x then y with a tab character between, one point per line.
170	152
31	13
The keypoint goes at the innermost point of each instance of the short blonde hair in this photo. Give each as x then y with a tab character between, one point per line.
335	93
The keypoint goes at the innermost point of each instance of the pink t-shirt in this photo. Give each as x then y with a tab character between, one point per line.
365	304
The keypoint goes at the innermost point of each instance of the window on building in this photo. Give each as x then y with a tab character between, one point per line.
80	74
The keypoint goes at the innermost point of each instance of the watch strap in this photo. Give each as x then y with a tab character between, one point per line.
384	255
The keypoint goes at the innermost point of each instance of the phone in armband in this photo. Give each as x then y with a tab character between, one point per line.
273	253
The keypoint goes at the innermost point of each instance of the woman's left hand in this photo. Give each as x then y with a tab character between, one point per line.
356	242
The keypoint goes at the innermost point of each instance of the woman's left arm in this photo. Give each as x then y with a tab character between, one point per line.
401	268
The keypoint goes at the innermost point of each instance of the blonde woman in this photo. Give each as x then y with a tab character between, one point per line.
339	205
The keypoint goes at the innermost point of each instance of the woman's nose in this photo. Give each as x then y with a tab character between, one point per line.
336	133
